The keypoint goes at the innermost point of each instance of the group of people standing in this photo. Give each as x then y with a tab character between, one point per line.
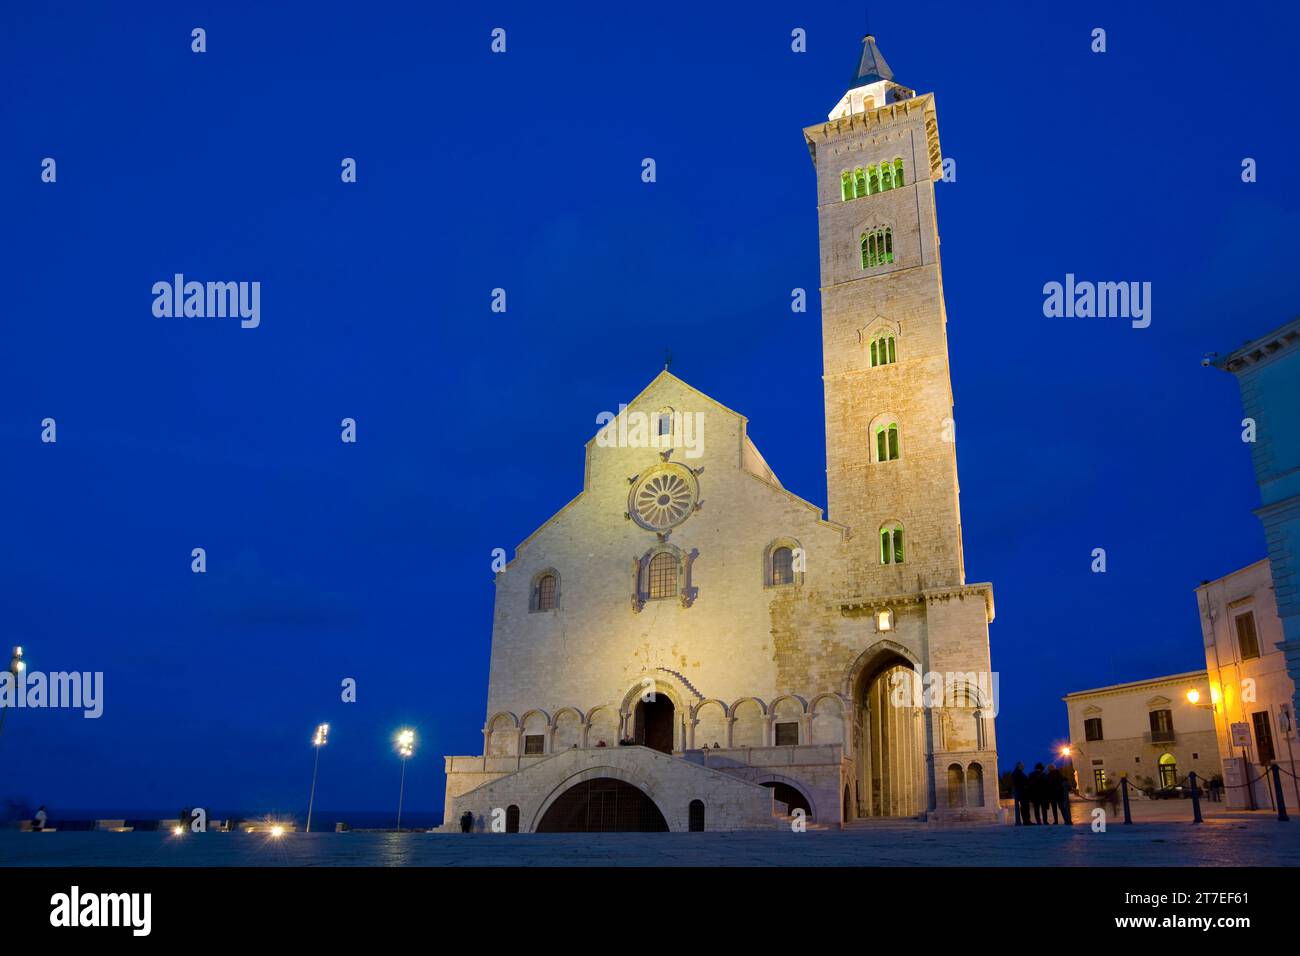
1042	791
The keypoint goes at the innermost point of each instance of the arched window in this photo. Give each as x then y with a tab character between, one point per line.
891	543
662	575
873	178
846	186
696	814
545	594
877	247
783	563
882	350
664	426
860	180
783	566
898	172
886	176
887	441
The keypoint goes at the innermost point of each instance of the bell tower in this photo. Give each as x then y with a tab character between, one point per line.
890	453
891	463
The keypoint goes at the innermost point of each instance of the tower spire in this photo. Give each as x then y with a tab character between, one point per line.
872	67
873	84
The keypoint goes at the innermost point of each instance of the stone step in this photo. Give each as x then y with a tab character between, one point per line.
883	823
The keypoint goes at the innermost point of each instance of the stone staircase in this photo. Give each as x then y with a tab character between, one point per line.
731	802
686	683
884	823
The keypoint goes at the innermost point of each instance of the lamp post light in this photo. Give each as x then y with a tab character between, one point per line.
16	667
1067	754
405	747
317	741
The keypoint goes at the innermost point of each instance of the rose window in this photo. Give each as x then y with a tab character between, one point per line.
664	497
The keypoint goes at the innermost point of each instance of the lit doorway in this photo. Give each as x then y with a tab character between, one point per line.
1168	772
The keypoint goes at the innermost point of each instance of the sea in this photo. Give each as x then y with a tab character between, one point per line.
75	818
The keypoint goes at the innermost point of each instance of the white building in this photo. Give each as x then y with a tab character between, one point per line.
1249	684
1149	731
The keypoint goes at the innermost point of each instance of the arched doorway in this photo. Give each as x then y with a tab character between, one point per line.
603	805
1168	772
654	725
791	797
695	816
956	786
889	730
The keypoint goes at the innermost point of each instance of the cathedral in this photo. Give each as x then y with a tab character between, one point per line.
686	645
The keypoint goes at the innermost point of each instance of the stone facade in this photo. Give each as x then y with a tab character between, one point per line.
687	601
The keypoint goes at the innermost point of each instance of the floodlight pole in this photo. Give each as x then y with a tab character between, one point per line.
312	801
400	794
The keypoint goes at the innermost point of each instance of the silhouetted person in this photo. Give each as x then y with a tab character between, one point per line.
38	823
1053	783
466	821
1020	794
1038	793
1065	798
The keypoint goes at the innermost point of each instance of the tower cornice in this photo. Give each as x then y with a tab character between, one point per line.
862	603
882	117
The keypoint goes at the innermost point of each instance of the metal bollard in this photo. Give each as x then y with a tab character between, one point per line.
1123	786
1196	799
1277	789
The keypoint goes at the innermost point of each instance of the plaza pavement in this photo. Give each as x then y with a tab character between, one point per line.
1239	839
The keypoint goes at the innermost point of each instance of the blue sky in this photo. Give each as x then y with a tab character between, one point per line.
522	171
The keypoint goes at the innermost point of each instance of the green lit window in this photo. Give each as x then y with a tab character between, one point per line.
882	350
887	442
873	179
898	172
877	247
846	186
886	176
861	182
891	544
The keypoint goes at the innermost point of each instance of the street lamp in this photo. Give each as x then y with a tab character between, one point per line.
405	747
1067	754
317	741
16	667
1194	698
